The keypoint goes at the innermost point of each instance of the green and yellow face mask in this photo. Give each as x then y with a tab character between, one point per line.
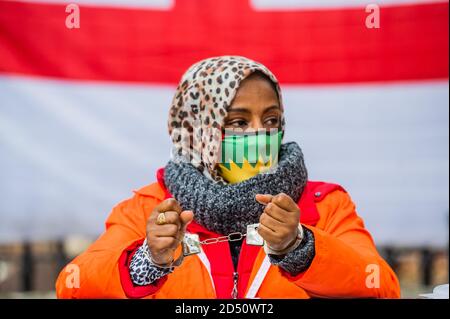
244	156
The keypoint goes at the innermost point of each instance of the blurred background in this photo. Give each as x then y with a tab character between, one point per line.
85	91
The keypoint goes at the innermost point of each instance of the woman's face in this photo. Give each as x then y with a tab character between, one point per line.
255	106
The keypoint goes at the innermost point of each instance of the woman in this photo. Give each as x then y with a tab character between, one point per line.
224	223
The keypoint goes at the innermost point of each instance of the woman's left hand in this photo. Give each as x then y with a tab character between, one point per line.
279	221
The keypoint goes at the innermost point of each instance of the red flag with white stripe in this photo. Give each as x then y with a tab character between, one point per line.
83	110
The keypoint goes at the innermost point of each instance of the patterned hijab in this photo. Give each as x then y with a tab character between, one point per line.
200	106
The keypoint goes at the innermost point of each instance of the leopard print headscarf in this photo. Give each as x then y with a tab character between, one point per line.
199	108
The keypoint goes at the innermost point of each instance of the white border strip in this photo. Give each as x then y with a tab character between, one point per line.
257	281
205	261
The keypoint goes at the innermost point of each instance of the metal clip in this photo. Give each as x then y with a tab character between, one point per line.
191	244
253	238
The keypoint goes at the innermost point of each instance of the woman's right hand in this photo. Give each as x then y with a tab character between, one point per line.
163	240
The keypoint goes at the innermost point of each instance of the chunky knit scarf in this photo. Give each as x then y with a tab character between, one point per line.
227	208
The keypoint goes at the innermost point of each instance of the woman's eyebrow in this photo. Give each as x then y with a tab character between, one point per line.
273	107
239	109
245	110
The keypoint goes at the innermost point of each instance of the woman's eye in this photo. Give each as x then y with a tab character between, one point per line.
238	123
271	121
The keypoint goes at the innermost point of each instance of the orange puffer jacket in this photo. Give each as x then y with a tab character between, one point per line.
346	263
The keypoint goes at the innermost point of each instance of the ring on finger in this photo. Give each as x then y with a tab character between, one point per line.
161	219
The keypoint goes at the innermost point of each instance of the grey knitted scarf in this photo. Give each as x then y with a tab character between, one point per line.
227	208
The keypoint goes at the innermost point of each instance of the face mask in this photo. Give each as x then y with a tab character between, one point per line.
244	156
